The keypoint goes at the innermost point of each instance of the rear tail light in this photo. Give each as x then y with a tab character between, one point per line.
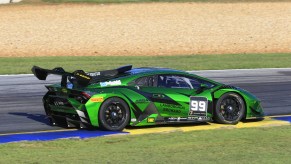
83	97
86	95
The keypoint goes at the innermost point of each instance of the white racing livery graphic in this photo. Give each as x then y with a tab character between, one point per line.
198	106
110	83
94	74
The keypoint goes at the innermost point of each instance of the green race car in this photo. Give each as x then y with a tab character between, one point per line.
114	99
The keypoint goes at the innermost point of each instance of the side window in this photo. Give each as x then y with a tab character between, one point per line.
141	81
195	83
183	82
147	81
174	81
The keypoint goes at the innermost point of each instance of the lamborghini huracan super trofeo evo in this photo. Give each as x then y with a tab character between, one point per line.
113	99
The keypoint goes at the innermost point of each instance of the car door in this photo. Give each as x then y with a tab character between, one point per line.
178	93
176	96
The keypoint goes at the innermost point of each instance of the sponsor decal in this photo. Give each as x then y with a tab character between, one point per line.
191	119
83	76
198	118
59	103
133	119
94	74
171	110
110	83
176	119
172	106
151	120
97	99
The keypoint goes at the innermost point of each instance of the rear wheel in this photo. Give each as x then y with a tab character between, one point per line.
230	109
114	114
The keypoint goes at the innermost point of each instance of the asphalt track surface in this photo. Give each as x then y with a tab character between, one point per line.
21	107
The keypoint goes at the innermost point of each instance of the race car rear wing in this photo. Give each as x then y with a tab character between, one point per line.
82	78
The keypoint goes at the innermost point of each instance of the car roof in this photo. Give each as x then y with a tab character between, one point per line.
152	70
138	72
135	73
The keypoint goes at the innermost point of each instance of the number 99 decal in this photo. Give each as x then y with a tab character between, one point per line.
198	106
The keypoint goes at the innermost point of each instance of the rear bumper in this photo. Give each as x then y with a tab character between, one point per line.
64	121
65	111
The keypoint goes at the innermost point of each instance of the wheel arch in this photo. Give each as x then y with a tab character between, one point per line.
217	94
120	97
93	108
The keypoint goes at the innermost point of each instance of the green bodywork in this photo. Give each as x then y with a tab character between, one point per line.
149	105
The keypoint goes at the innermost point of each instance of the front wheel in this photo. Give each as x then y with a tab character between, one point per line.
230	109
114	114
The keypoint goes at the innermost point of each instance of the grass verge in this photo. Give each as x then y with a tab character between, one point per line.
255	145
19	65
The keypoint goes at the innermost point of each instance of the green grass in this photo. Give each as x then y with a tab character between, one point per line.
19	65
250	145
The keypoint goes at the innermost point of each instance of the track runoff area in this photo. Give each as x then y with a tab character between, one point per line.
241	78
84	133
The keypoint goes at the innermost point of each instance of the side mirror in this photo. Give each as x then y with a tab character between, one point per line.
137	87
201	88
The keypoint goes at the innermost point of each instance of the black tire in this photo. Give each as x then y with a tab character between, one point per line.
114	114
230	109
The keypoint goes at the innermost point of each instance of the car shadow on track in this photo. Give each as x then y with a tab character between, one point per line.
36	117
42	118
